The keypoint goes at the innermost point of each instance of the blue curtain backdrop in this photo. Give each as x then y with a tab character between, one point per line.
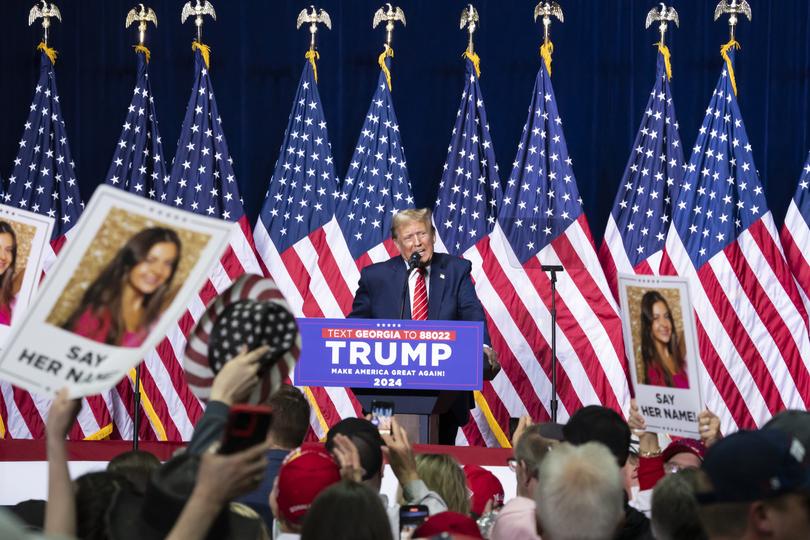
603	68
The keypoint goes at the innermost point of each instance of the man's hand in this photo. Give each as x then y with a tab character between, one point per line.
61	416
222	478
491	356
399	453
348	458
709	424
237	378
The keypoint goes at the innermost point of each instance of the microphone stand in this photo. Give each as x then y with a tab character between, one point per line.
552	270
413	264
137	408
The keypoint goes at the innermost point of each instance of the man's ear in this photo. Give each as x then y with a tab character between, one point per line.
761	517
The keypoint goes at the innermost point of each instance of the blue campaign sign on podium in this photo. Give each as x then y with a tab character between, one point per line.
393	354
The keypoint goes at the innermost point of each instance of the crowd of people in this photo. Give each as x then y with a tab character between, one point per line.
597	477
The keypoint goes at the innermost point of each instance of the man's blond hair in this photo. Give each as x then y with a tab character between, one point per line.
411	214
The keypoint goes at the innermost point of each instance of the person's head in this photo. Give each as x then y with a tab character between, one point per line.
452	523
136	466
152	515
8	262
580	493
95	493
442	474
146	266
529	452
674	508
246	511
658	332
412	231
595	423
305	473
755	484
683	454
484	488
366	438
793	422
290	417
347	511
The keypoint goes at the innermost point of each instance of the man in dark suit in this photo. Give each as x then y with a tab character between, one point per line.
439	288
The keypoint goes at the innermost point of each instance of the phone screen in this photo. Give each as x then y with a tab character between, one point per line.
410	518
247	426
381	414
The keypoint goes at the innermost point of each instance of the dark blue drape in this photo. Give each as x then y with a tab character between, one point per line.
603	68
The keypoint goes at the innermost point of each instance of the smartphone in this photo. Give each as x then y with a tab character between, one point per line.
247	426
411	516
381	414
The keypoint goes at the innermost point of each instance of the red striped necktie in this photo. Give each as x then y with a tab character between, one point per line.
419	311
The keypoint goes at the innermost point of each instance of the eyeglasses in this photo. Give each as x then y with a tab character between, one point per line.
672	468
512	463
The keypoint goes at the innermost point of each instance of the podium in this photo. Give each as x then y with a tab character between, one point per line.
423	367
416	410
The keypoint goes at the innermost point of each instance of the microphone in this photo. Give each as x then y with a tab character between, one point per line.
414	262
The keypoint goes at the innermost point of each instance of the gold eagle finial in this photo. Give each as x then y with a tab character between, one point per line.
44	10
143	15
200	8
389	15
313	17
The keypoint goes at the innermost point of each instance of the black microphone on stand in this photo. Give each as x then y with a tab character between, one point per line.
413	263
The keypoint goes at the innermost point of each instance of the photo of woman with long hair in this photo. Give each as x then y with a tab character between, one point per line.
663	358
9	284
126	299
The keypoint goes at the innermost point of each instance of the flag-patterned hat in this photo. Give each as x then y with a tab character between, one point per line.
252	312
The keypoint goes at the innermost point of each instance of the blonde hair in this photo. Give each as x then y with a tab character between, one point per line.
248	512
442	473
411	214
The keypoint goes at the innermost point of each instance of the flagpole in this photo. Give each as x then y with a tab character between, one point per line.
142	16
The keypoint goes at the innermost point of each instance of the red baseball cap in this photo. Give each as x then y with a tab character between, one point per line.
484	486
679	446
448	522
306	472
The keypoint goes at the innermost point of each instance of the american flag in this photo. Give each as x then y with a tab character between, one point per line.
750	318
376	186
138	166
464	216
541	221
639	221
796	234
297	236
43	180
202	180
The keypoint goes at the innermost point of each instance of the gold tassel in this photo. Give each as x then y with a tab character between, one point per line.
313	55
50	53
144	50
546	51
724	53
664	50
205	50
388	52
476	61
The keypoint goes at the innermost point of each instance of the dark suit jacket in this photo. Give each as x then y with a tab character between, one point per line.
451	297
